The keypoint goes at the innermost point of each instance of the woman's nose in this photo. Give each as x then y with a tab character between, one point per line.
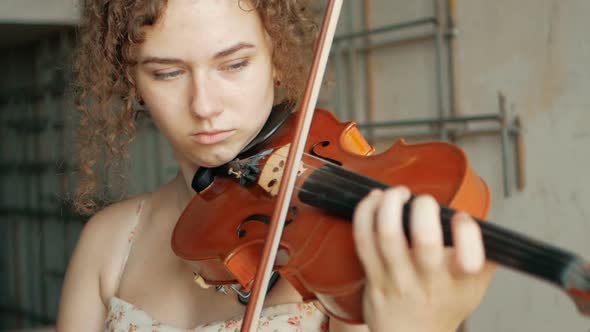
205	99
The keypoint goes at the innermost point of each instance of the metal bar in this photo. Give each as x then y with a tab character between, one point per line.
27	125
369	68
374	45
340	71
454	89
383	43
18	282
30	94
352	84
60	126
385	29
520	160
38	187
33	213
24	314
512	131
30	271
439	45
504	144
31	167
431	121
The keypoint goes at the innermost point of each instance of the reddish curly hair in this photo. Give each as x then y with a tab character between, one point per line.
104	92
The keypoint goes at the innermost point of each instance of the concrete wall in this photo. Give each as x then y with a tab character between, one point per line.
39	11
538	54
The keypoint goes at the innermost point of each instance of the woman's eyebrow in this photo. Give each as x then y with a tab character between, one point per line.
155	59
232	49
228	51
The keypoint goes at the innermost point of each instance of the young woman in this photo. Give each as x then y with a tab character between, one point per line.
209	72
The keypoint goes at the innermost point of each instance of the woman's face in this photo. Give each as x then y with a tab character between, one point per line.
206	76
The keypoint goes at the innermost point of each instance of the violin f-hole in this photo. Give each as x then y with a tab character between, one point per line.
315	154
265	219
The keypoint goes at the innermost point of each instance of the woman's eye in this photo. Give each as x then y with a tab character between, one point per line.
236	66
167	75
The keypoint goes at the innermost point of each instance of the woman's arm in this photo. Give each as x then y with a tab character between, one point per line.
81	306
93	271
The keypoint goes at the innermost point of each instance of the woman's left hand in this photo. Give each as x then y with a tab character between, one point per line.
425	287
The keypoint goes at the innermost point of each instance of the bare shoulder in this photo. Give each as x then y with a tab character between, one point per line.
100	250
92	273
105	239
110	223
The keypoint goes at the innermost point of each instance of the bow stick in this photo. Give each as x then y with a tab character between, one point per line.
310	96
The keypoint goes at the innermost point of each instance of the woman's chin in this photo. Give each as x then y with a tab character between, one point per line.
212	164
210	158
214	161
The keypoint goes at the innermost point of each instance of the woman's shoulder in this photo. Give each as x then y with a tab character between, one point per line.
104	240
117	213
92	274
114	219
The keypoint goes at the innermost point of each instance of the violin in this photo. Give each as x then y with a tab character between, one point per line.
294	188
230	214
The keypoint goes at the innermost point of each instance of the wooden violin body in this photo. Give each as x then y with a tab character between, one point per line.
222	230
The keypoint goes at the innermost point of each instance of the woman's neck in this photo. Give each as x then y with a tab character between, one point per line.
182	184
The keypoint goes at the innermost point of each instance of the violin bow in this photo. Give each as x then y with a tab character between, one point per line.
307	107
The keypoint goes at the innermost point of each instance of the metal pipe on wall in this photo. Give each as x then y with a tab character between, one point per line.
355	87
432	121
369	77
454	95
397	42
439	48
385	29
27	183
341	107
42	67
344	64
38	219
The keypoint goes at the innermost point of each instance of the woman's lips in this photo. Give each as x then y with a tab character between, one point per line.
212	137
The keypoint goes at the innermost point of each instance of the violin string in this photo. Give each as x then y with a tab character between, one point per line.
544	262
316	169
503	247
508	249
504	243
493	239
524	252
516	254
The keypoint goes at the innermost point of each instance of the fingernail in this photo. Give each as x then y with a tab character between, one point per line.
405	192
462	216
375	192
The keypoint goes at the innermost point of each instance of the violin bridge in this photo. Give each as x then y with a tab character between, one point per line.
272	172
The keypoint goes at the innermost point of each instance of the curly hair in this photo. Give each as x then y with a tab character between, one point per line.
104	92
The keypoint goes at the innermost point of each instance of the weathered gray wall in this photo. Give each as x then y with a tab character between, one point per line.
39	11
537	53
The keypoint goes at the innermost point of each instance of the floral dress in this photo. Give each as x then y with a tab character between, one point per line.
295	317
125	317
